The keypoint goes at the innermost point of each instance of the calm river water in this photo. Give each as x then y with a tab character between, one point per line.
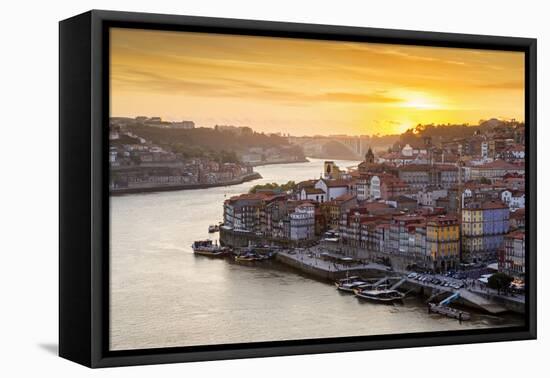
164	296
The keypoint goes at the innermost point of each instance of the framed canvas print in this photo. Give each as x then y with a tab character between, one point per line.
233	188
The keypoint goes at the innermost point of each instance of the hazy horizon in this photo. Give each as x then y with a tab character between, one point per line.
309	87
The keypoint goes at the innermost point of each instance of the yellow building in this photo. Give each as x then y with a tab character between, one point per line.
443	242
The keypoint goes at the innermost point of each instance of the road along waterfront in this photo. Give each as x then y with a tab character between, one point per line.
162	295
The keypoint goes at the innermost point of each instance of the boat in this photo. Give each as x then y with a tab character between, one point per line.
444	309
350	285
449	311
382	296
213	228
346	280
248	257
207	248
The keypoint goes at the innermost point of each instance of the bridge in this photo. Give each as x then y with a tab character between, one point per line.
355	146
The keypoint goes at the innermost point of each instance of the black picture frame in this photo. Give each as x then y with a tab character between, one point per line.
84	197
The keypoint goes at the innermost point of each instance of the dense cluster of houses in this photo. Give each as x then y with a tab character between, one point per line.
137	163
412	206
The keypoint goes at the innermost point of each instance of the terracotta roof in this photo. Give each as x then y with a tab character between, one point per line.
493	205
344	197
307	183
443	218
498	164
519	235
427	167
411	218
372	206
260	196
313	191
336	183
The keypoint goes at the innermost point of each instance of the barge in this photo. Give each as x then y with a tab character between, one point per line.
207	248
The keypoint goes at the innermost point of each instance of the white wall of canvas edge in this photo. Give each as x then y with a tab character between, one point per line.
28	194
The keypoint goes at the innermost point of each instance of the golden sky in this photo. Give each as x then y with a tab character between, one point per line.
307	87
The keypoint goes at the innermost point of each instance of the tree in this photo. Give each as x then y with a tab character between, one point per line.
291	185
499	281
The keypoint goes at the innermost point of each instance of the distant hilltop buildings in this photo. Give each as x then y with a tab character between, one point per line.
152	121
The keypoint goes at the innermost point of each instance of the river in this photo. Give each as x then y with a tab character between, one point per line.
164	296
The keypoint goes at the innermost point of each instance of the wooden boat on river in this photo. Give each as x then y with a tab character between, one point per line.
207	248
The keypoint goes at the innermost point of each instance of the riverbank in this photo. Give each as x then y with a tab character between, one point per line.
317	262
165	188
310	262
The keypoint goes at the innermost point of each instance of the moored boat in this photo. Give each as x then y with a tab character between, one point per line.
342	281
350	285
248	257
207	248
449	311
213	228
382	296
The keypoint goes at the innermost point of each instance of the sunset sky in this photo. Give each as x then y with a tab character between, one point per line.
306	87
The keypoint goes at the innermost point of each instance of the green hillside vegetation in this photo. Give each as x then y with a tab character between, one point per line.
446	132
218	145
274	187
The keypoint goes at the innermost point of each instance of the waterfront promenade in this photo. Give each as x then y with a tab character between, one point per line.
315	262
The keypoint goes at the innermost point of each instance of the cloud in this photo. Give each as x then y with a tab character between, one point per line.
377	98
398	52
504	85
131	78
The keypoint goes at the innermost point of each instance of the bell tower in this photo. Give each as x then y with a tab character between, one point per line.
369	157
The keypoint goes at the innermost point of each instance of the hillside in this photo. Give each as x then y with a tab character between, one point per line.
202	141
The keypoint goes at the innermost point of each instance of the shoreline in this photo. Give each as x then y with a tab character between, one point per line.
170	188
328	271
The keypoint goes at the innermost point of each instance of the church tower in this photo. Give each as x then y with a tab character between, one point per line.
369	157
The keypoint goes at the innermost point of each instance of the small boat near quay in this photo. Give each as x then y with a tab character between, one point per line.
207	248
443	308
249	257
381	296
448	312
349	285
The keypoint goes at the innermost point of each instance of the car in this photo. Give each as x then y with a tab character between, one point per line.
412	275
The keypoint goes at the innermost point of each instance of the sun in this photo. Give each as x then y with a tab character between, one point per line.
420	101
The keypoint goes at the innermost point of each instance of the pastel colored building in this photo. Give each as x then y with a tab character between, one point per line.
483	228
512	261
443	242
